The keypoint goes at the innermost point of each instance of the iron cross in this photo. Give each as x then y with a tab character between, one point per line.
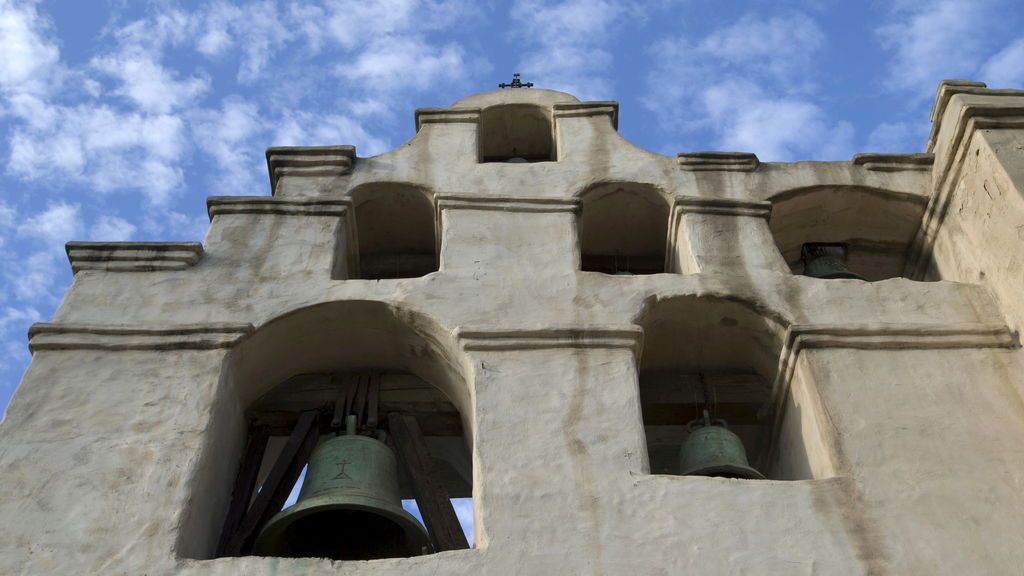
516	83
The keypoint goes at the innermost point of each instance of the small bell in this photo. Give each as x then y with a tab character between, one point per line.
712	449
516	158
826	261
349	508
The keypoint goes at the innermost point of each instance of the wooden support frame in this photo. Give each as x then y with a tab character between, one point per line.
431	495
354	394
245	484
277	486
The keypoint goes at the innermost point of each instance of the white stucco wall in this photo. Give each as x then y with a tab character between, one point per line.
904	397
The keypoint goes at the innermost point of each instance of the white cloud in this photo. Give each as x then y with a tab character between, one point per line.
57	224
227	135
7	216
1005	69
352	23
13	320
308	129
748	84
933	40
33	278
173	225
111	229
105	148
781	46
14	316
898	137
148	84
776	128
569	43
28	57
386	64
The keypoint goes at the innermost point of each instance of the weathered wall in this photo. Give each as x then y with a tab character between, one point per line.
900	399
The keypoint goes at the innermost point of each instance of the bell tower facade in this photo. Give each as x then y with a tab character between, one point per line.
632	363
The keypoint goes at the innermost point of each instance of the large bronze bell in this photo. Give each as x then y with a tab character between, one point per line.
712	449
826	261
349	508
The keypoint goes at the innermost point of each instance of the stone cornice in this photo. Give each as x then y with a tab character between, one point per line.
527	204
970	117
949	88
894	162
800	337
608	108
597	337
309	161
133	256
721	206
220	205
718	161
446	116
49	336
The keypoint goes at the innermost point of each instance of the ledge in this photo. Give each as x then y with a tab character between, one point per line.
309	161
133	256
47	336
721	206
220	205
598	337
894	162
884	337
446	116
993	113
718	161
453	202
608	108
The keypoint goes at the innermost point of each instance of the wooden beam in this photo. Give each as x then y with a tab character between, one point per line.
435	418
373	401
431	495
245	484
278	484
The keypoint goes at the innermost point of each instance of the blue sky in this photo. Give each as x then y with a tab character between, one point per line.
118	118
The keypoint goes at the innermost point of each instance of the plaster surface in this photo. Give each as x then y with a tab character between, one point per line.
895	410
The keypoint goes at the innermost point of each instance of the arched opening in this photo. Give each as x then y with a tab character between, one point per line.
359	409
516	133
869	231
623	229
719	355
395	235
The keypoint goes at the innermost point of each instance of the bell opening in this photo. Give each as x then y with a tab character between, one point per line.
827	261
344	535
703	353
516	134
622	229
876	226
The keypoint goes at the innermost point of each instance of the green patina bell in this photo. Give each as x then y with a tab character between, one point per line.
349	508
826	261
712	449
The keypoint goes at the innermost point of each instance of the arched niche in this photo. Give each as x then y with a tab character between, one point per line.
522	131
623	228
305	362
877	226
395	233
723	354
